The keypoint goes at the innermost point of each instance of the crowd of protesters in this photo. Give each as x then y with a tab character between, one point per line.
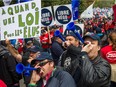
66	63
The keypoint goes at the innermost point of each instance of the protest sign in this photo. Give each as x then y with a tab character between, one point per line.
22	20
63	14
47	16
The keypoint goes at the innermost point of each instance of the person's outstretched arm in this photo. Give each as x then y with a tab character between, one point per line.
13	51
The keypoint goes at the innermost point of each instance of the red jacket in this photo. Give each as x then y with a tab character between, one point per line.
44	39
108	54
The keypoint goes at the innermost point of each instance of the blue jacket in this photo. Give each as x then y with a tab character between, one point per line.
59	78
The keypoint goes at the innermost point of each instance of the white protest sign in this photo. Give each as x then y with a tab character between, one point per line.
63	14
22	20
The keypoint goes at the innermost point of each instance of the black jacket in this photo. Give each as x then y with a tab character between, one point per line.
7	67
94	73
86	72
56	51
69	59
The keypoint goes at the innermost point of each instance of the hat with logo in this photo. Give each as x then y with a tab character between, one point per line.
42	56
92	36
70	33
34	49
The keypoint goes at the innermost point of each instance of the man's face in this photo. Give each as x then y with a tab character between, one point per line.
94	51
30	45
46	67
34	54
43	32
59	40
72	40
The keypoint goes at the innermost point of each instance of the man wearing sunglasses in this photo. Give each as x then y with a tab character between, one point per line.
30	54
47	75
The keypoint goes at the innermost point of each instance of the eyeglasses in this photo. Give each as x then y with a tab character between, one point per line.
43	63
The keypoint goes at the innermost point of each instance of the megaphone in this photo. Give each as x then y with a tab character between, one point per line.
20	68
71	26
58	34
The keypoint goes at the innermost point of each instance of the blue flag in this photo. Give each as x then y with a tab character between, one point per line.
75	5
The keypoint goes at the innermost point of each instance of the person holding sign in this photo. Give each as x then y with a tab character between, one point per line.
45	39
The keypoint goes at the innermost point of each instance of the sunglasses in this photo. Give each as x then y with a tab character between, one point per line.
43	63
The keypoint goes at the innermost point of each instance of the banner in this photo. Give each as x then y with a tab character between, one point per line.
47	16
88	13
21	20
63	14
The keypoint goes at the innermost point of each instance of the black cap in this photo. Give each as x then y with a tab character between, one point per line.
34	49
42	56
70	33
92	36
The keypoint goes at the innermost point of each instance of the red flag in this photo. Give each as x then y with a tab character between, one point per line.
114	10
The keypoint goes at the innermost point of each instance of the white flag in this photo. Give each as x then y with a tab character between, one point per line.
88	13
